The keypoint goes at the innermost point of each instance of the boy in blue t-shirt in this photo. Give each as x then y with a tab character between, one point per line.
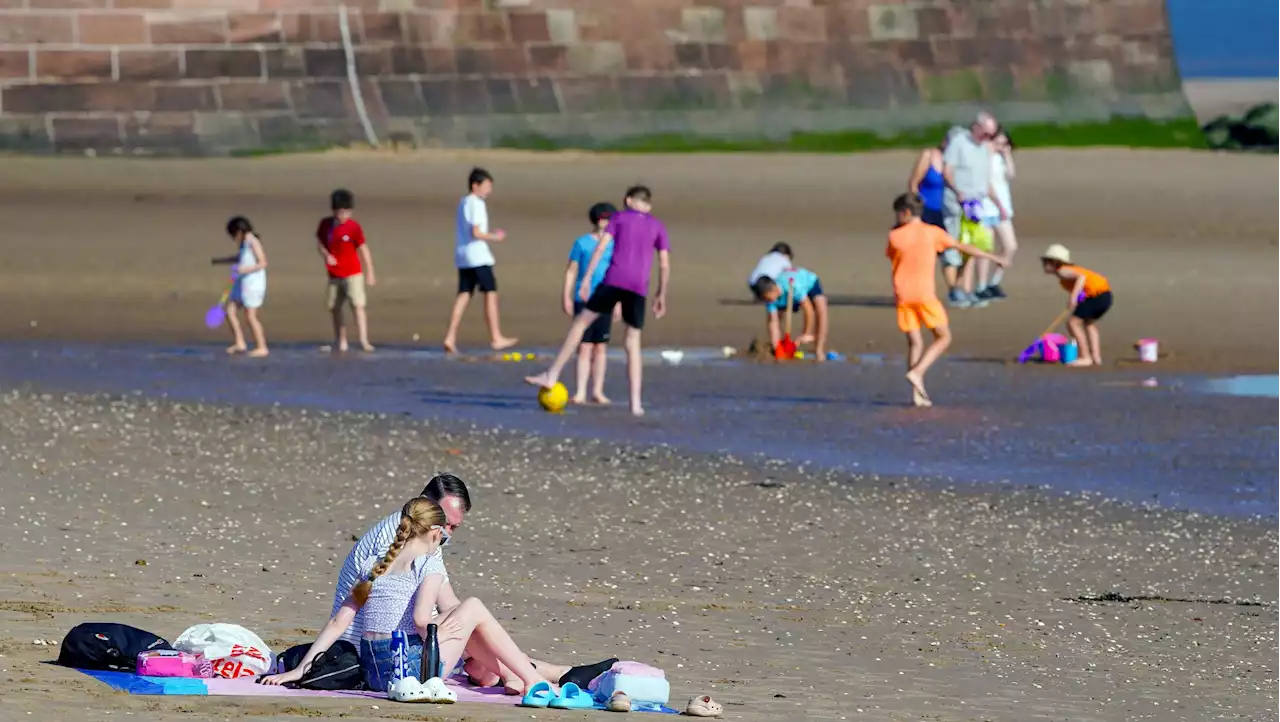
806	296
593	353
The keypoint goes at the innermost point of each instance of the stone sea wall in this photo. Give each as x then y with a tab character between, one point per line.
217	76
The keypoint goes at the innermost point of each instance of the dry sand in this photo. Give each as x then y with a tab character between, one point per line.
786	595
118	249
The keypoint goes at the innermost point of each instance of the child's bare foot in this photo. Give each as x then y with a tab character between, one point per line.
450	345
503	343
259	352
1081	362
236	348
917	386
804	339
920	401
637	410
601	399
542	381
367	347
578	400
513	688
341	347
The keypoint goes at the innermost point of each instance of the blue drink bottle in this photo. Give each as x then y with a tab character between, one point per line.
400	668
431	654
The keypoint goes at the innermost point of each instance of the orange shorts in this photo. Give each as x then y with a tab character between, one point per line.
927	314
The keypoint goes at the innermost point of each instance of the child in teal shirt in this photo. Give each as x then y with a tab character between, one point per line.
594	350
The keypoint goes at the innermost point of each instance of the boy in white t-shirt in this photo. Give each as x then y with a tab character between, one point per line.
475	262
778	259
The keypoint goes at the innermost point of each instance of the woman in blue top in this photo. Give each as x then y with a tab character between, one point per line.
926	181
594	350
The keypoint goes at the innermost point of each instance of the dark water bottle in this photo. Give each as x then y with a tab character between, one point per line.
431	653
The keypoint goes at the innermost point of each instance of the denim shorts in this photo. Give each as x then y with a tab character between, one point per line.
375	661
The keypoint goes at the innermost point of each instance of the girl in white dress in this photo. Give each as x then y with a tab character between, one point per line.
1002	171
249	290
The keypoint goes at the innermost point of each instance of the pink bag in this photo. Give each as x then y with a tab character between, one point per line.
172	663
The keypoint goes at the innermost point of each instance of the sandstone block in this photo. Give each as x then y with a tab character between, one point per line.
74	65
15	64
18	27
148	64
72	134
703	24
760	23
893	22
185	29
228	63
253	95
562	27
529	27
596	58
185	98
121	28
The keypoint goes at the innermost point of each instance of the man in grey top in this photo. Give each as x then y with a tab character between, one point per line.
966	168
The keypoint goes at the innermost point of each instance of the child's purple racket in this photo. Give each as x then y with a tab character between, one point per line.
217	313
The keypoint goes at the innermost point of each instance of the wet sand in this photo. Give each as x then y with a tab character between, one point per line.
118	249
781	591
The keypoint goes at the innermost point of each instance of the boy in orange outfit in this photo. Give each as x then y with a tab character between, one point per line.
1088	299
913	250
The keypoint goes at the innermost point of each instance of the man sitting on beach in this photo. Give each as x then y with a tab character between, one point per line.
450	494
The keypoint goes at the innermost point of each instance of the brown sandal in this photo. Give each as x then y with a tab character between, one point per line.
619	702
703	706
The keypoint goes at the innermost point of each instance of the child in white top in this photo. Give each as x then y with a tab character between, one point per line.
778	259
400	594
249	289
475	262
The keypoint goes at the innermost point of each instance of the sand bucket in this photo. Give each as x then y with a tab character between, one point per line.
1148	350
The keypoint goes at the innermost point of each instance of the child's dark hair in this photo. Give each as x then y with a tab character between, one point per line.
784	249
601	211
639	193
239	224
909	202
1001	130
342	200
763	285
477	176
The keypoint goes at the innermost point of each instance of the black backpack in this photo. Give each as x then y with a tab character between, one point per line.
107	646
336	668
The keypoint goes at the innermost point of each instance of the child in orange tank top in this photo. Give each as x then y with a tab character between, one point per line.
1088	298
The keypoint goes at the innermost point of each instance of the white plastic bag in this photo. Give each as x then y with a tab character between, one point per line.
232	650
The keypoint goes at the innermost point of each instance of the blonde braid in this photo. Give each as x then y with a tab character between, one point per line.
417	517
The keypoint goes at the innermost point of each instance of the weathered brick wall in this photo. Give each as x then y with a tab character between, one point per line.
217	75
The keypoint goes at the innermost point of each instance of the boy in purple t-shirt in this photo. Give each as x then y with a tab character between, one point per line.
636	236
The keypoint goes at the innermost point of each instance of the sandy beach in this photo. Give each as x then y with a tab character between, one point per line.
806	594
118	249
1043	545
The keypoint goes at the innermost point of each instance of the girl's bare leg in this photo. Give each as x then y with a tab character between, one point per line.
1076	327
237	335
599	364
584	373
1095	342
471	623
551	376
259	336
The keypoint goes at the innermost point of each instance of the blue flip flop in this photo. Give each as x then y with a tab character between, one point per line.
539	695
572	697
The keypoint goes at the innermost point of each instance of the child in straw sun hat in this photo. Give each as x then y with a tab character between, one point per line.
1088	298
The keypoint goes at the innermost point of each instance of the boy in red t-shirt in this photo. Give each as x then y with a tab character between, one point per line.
350	265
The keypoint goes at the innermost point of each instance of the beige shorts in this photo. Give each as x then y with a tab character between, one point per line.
346	290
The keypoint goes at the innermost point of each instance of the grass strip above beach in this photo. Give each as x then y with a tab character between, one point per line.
1118	132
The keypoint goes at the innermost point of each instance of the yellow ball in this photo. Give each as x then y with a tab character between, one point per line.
554	399
800	354
506	357
517	357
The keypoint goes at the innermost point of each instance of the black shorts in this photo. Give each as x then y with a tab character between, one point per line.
933	216
814	292
606	297
598	331
1092	309
469	279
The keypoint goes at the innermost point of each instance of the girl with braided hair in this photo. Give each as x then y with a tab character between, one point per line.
400	593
